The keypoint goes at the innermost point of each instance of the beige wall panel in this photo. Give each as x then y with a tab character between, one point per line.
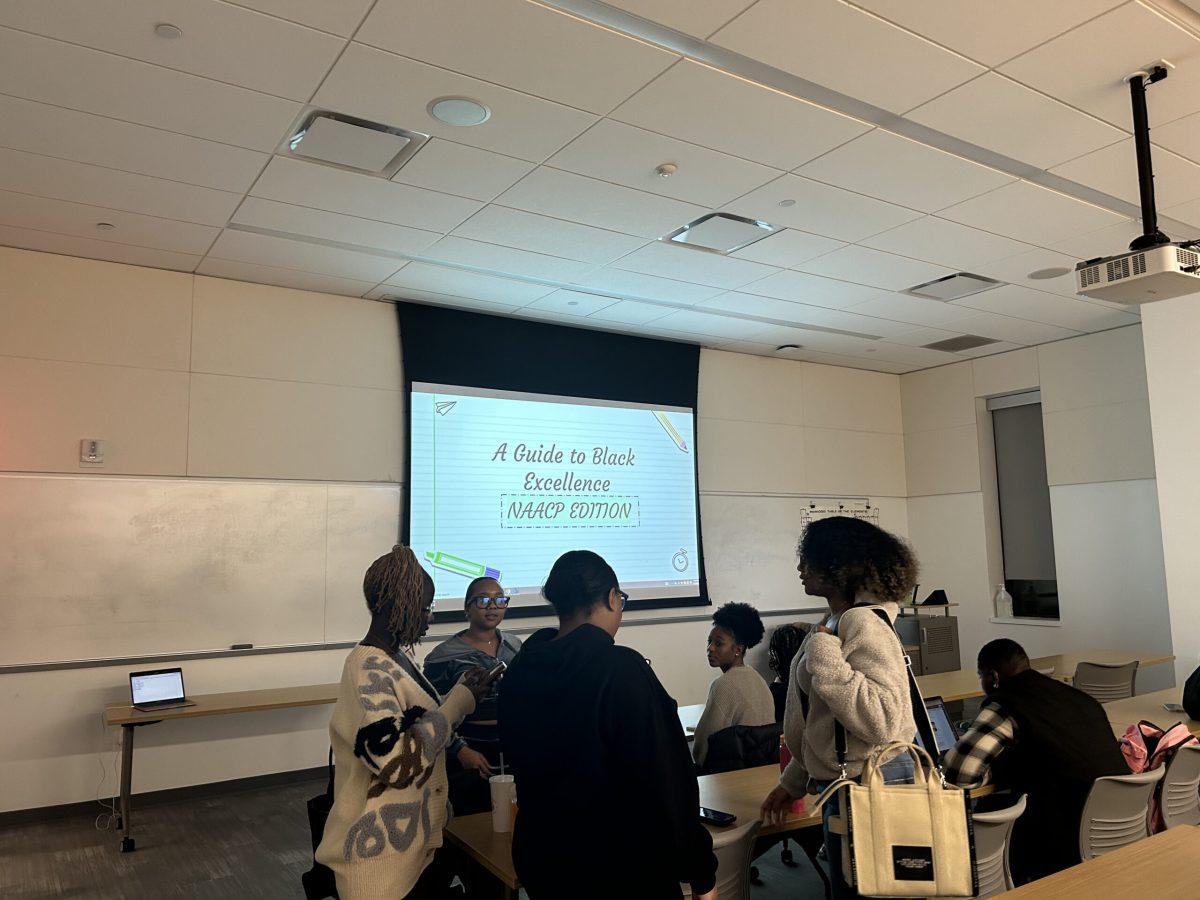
938	398
263	331
856	463
1097	369
851	399
1099	443
750	388
82	310
1006	373
942	462
48	407
255	428
751	456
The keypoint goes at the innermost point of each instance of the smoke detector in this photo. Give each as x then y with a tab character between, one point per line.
351	143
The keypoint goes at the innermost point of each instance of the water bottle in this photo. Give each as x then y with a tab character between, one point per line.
1002	603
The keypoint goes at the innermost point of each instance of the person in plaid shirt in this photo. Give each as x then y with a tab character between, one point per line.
1042	738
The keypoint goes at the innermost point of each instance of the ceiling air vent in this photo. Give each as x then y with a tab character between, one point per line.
960	343
951	287
720	233
350	143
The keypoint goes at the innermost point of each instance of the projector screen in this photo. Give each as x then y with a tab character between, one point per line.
502	483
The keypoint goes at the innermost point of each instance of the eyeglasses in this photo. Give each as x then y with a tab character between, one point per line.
624	597
485	602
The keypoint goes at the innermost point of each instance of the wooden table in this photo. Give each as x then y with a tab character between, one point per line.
1123	713
964	683
1162	866
204	705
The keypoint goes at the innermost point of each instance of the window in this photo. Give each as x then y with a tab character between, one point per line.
1026	533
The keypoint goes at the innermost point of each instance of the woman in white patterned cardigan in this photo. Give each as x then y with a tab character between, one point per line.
390	731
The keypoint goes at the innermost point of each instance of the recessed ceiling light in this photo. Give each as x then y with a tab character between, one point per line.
720	233
952	287
1052	272
787	203
352	143
461	112
167	31
105	226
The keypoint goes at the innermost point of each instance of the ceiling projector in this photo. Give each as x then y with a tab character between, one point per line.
1155	268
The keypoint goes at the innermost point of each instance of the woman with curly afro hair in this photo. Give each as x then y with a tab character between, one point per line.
739	696
849	669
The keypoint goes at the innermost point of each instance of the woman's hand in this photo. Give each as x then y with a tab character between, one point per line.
479	681
775	807
711	895
474	761
821	629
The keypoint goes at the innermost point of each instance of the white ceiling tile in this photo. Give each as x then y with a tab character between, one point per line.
846	49
1085	66
433	298
1113	170
1052	309
291	278
542	234
699	18
533	313
1016	269
1003	328
968	25
630	312
919	337
866	363
903	308
820	209
700	104
65	180
893	168
1185	212
997	113
875	268
471	285
695	322
364	83
573	303
70	245
1181	136
801	314
38	68
1106	241
559	57
623	154
452	168
688	264
61	217
787	248
564	195
946	243
915	356
649	287
506	260
219	41
751	347
801	287
324	187
268	250
329	226
340	17
1031	213
83	137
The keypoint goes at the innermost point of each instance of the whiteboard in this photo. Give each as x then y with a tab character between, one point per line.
95	567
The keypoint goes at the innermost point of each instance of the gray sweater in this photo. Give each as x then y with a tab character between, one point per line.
857	676
737	697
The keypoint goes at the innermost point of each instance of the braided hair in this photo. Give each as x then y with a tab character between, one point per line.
782	648
396	585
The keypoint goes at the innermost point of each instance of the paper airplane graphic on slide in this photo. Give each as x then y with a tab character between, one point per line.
444	406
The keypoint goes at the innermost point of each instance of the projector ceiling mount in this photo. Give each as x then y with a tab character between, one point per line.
1138	82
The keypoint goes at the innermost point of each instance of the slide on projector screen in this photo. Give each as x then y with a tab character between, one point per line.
503	483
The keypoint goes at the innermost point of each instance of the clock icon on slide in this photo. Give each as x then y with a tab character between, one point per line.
679	562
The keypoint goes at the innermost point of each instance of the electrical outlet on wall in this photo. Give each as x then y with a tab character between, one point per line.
91	452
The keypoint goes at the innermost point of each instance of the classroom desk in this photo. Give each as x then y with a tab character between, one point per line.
1123	713
1163	865
204	705
964	683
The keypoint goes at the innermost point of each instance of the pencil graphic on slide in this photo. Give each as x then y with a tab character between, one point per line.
460	566
670	430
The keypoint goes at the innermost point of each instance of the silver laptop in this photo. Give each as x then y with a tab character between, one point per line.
158	689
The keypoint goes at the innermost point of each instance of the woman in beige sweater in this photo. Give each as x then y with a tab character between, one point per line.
850	668
390	731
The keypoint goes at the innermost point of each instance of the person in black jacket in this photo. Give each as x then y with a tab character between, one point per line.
1191	695
607	796
1042	738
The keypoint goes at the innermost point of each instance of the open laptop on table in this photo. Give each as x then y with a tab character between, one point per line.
158	689
945	735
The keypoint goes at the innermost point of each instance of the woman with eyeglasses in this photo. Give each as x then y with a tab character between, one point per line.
608	800
390	731
481	643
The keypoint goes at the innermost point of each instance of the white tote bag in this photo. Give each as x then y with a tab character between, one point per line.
904	840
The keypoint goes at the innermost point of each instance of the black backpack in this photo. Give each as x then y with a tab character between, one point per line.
1191	695
319	881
